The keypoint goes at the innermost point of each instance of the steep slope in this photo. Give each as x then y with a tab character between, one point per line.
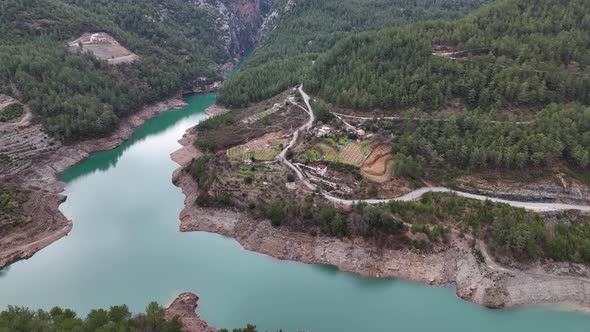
77	97
298	30
238	22
511	58
514	53
60	59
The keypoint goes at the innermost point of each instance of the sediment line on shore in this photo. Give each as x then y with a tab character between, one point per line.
48	223
484	283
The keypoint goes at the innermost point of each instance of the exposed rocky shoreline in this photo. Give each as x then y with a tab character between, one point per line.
558	188
215	110
48	224
184	307
486	283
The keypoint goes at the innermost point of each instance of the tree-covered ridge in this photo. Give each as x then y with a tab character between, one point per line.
526	53
117	318
474	141
77	96
311	27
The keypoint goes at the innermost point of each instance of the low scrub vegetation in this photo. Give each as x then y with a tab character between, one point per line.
11	209
510	233
11	112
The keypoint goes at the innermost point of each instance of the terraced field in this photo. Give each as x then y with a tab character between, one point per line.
20	145
258	116
355	153
264	148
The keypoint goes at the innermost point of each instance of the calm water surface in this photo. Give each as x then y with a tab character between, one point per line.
125	248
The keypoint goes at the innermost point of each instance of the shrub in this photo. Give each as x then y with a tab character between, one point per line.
266	121
275	213
479	255
338	226
218	121
11	112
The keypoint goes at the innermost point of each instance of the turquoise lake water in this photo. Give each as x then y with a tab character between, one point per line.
125	248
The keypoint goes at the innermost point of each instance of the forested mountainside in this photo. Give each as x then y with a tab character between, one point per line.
513	53
306	28
509	57
77	96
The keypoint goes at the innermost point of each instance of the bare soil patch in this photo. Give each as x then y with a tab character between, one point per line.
238	130
263	148
378	166
103	46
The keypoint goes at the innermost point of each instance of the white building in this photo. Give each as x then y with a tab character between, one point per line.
322	170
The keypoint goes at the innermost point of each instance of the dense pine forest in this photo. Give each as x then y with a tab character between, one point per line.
519	53
475	141
509	60
532	57
312	27
77	96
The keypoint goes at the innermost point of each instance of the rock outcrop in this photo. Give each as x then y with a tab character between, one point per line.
556	188
239	23
184	308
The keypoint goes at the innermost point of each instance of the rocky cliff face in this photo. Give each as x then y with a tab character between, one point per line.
184	308
239	22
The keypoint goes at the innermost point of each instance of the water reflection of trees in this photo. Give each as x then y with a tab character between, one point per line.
103	161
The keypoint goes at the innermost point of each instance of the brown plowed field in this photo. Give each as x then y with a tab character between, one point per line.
378	166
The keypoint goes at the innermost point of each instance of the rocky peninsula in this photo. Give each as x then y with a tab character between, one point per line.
477	280
184	307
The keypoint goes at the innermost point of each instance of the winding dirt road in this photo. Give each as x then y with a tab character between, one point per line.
538	207
341	117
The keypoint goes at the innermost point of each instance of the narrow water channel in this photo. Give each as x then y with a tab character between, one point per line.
125	248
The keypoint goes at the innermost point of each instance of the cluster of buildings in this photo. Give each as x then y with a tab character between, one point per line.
326	130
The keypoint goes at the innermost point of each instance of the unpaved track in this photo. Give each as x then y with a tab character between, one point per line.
340	116
538	207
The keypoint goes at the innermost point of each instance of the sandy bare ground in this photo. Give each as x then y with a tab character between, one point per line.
378	166
47	225
103	46
215	110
